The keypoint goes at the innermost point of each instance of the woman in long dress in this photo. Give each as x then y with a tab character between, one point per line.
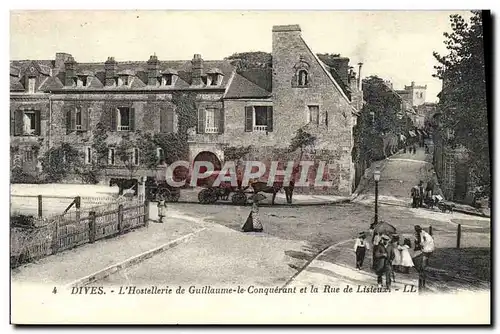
253	222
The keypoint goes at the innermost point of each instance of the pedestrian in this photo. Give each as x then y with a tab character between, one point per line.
406	260
414	149
161	209
424	243
253	223
396	262
414	196
390	259
420	193
360	248
380	262
429	188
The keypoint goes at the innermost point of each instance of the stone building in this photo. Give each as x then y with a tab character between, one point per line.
262	108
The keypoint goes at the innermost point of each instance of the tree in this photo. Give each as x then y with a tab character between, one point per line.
59	161
300	141
463	98
125	152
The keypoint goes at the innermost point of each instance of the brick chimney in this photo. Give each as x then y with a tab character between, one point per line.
197	70
153	70
61	58
110	71
69	68
360	81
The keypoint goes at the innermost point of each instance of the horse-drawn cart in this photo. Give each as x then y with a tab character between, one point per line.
156	189
212	193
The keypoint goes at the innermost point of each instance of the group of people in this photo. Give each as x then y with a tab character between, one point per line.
412	149
390	255
420	195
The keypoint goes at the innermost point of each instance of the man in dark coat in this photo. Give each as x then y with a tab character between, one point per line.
421	193
380	263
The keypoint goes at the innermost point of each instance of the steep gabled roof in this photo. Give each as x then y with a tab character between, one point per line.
329	75
15	84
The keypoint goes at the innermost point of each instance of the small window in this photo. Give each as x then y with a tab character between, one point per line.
111	156
31	85
78	119
167	80
28	155
88	155
302	77
135	156
214	79
160	154
314	114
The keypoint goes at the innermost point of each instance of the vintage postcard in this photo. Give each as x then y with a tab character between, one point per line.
272	167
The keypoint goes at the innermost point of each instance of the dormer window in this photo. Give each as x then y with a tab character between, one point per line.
31	85
169	77
214	77
81	81
167	80
123	80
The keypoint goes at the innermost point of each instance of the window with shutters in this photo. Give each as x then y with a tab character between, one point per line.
77	119
88	155
210	120
111	156
124	119
259	118
31	85
27	123
167	120
313	113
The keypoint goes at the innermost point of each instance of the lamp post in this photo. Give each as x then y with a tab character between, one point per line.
376	177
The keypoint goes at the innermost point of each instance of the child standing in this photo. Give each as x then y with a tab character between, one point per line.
360	247
161	209
406	261
396	262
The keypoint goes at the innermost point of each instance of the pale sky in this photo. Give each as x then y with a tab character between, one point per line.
395	45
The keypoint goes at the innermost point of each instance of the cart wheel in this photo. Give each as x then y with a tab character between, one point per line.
165	193
207	196
174	197
239	198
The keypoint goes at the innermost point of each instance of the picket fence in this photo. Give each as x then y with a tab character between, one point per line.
76	228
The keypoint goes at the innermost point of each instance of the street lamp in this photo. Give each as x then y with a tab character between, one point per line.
376	177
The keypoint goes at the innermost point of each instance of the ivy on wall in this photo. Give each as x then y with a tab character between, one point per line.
60	161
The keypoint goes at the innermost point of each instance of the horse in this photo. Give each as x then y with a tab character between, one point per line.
261	186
